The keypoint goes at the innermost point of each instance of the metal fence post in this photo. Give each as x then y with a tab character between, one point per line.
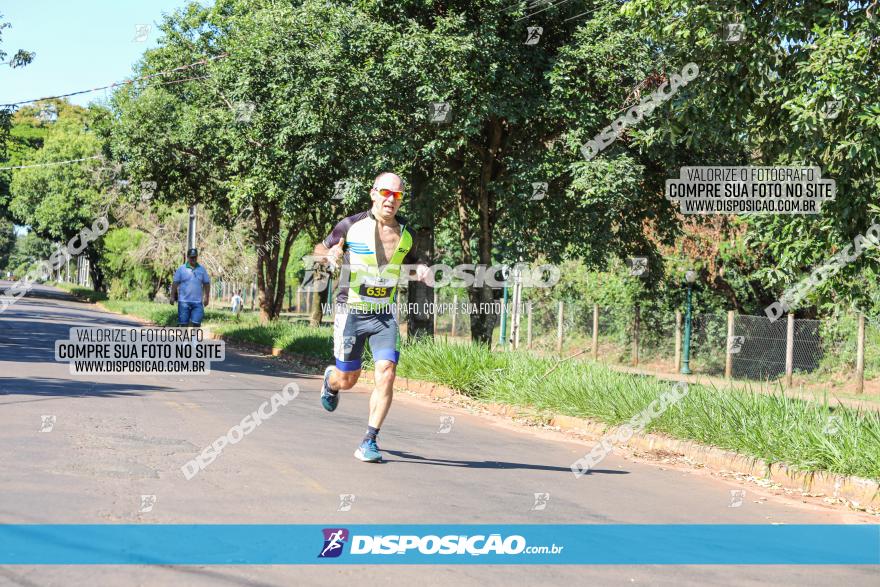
529	327
404	312
677	341
789	350
515	314
860	355
637	320
559	329
595	332
332	306
728	364
517	309
434	317
454	313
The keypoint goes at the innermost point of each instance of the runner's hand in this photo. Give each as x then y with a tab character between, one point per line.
423	274
335	253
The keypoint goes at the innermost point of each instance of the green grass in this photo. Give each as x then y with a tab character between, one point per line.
775	427
772	427
166	314
290	336
80	292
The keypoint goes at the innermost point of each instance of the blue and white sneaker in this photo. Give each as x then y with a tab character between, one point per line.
328	399
368	452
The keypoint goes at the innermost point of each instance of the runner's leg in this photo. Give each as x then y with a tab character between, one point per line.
348	350
383	393
385	346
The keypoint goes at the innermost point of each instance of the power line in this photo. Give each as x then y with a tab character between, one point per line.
51	163
548	7
583	13
122	83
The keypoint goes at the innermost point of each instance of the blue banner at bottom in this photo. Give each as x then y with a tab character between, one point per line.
588	544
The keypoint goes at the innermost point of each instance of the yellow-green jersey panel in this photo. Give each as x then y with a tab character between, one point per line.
365	285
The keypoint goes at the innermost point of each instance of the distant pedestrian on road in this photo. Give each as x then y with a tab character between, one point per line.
191	289
237	303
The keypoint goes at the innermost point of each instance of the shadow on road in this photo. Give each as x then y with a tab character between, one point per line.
85	549
45	386
407	457
40	291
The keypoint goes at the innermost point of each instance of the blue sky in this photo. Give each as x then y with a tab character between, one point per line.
79	45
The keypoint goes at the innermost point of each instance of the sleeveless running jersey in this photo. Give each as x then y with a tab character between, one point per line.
368	287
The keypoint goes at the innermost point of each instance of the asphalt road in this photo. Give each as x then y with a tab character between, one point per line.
118	437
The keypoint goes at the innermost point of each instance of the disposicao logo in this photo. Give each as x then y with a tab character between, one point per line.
334	540
472	545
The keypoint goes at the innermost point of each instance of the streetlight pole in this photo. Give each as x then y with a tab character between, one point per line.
191	229
690	277
516	273
502	336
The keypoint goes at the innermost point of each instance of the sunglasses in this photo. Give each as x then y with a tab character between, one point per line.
385	193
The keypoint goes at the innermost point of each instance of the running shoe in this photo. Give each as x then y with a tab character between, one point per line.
328	399
368	452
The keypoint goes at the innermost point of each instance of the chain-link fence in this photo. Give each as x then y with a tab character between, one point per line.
720	344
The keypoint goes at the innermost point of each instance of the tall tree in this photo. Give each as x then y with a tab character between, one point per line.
7	243
20	59
800	87
58	201
261	135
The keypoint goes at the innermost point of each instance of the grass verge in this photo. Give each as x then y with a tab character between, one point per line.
806	435
291	336
776	428
80	292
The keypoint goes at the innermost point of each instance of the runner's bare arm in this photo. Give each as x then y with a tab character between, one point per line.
329	255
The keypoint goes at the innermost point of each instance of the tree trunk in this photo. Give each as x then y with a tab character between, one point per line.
319	298
95	270
272	260
482	324
421	219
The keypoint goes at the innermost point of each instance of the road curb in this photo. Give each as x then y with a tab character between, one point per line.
861	493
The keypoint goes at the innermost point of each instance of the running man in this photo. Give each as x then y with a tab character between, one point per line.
372	246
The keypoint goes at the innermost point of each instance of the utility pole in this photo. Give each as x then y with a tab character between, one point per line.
191	231
517	302
690	278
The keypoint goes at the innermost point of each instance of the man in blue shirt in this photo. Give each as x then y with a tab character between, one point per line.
191	289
